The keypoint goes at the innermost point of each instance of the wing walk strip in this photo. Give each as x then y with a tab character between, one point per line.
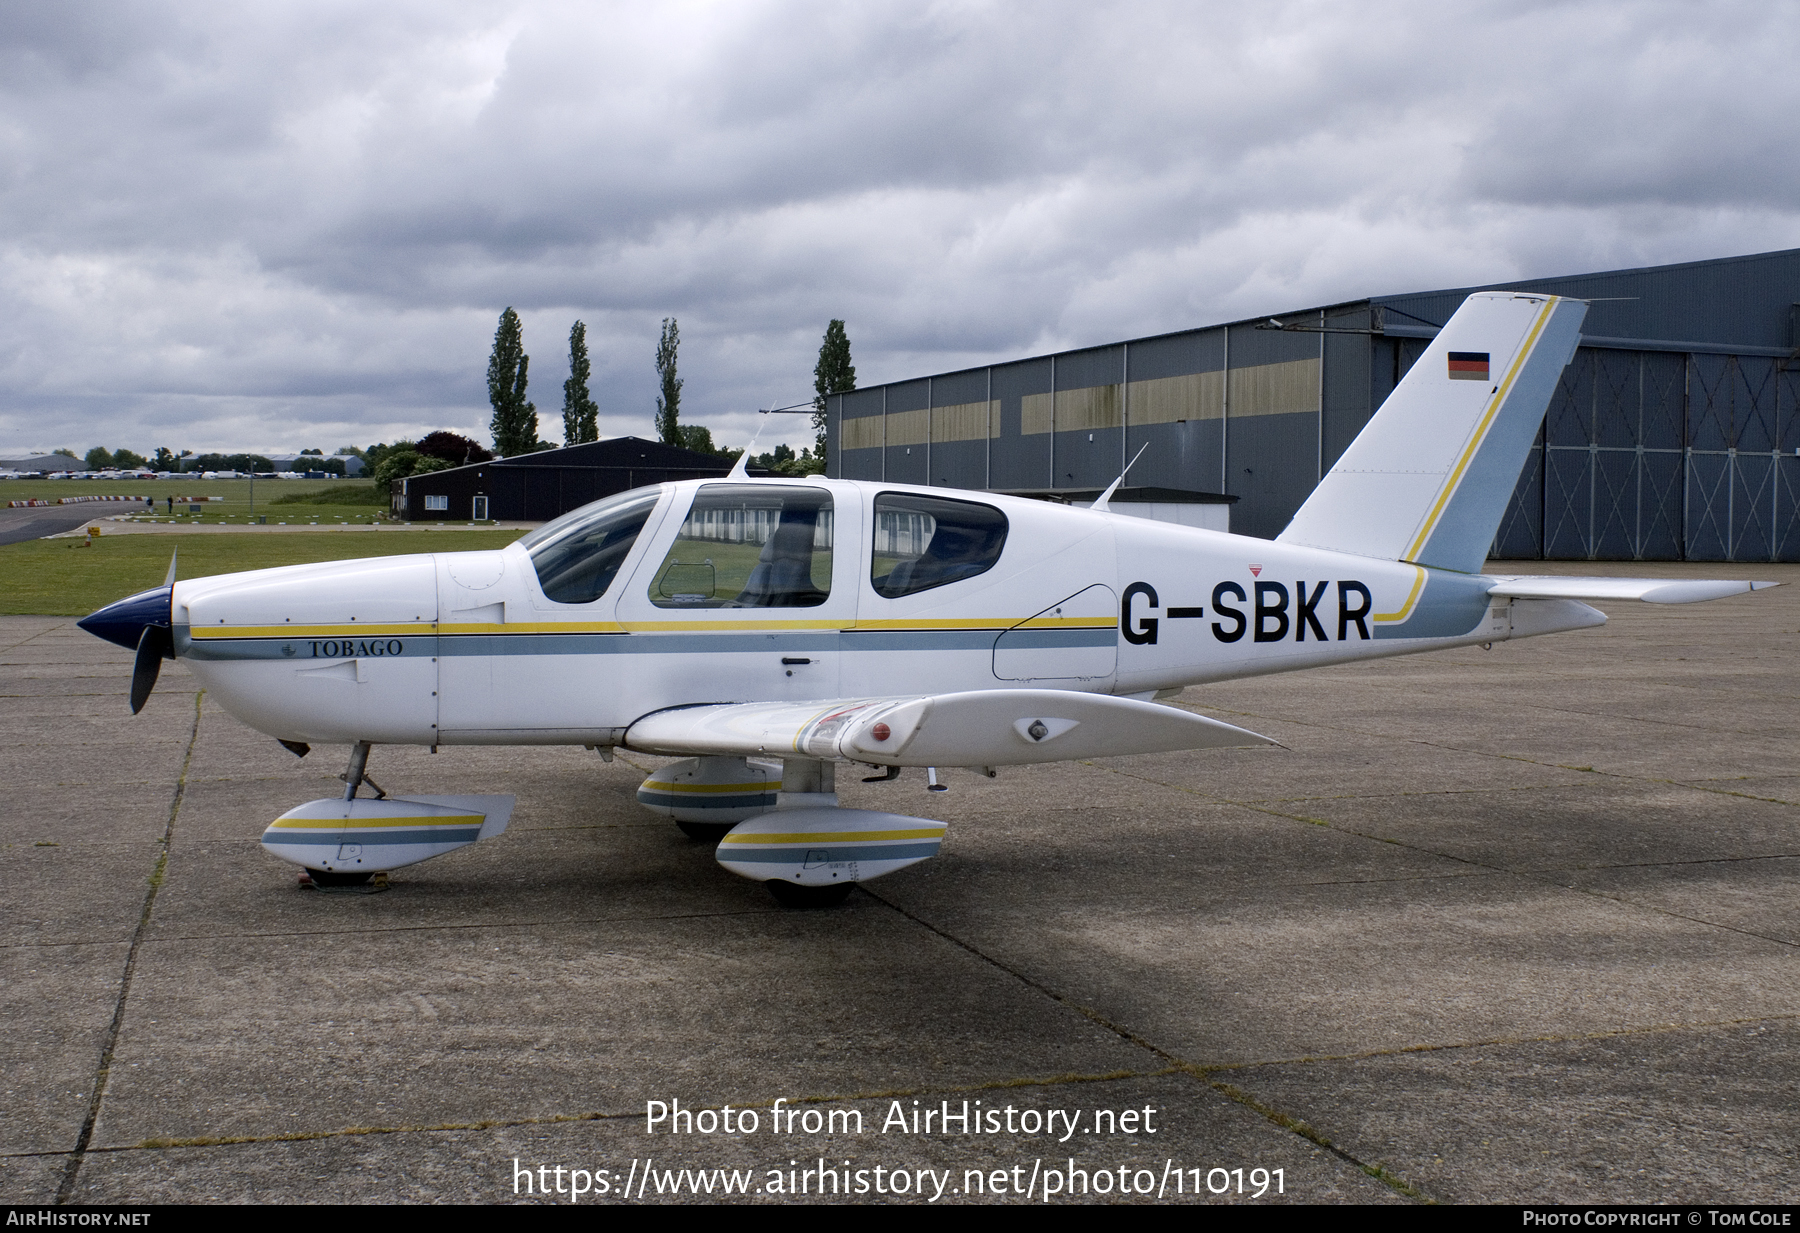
1480	434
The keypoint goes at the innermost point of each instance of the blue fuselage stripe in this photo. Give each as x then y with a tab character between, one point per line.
700	800
816	642
788	854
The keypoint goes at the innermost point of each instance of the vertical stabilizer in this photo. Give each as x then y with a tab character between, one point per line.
1428	479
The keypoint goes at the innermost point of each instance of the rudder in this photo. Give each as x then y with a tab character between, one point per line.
1429	477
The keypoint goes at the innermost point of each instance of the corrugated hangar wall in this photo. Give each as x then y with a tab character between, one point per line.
1673	435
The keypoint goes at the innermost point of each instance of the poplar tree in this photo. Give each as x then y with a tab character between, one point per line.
834	374
581	415
515	420
668	405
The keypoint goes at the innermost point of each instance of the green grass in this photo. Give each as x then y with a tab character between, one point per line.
289	501
279	501
235	492
70	577
356	494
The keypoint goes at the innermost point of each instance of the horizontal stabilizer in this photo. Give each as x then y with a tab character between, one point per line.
990	727
1650	590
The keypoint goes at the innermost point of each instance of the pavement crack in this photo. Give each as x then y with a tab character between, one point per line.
1550	1038
1305	1130
449	927
86	1135
1175	1064
555	1119
1087	1012
1545	878
13	646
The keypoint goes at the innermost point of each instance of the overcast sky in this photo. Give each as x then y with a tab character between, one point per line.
278	226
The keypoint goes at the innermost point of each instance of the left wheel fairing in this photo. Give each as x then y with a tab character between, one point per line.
325	654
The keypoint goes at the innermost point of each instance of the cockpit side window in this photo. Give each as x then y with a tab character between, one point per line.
749	546
924	542
578	556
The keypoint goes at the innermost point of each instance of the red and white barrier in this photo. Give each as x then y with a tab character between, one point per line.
83	500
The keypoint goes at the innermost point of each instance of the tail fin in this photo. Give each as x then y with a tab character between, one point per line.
1428	479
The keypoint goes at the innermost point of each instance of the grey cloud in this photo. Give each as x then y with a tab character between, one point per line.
245	222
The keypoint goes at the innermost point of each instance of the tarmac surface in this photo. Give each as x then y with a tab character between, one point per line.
1494	926
37	522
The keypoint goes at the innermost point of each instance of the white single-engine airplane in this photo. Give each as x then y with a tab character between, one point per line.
766	630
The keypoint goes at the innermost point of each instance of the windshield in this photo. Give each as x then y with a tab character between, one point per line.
578	555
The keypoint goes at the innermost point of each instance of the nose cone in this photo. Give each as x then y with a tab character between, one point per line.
124	622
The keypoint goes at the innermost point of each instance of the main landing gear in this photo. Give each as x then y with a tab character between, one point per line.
779	823
351	840
355	776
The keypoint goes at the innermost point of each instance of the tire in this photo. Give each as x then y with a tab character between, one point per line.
324	877
706	832
792	895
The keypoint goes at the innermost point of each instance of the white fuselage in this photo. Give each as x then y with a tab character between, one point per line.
465	648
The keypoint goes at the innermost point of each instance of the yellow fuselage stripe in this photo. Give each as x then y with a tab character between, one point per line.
341	632
1412	598
312	631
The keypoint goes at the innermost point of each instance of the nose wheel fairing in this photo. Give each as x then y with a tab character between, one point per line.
364	835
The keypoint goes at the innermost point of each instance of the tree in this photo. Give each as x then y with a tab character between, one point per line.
697	438
98	458
373	456
783	461
127	460
397	462
581	415
233	462
834	374
668	406
452	448
515	421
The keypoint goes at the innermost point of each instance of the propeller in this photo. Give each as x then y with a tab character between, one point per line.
154	645
142	623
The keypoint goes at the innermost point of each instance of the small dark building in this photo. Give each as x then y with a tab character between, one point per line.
539	487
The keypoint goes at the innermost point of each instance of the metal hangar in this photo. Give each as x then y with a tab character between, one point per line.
1673	435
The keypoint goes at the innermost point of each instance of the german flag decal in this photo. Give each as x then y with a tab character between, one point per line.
1468	366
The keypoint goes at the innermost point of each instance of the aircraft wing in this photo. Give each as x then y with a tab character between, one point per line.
1650	590
989	727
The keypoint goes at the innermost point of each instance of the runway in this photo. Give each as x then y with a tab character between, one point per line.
19	525
1493	926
